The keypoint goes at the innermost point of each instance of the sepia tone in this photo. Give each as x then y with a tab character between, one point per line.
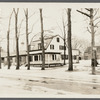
50	50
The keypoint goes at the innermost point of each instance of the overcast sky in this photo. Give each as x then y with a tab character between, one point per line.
52	19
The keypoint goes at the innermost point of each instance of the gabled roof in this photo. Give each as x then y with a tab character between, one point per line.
47	41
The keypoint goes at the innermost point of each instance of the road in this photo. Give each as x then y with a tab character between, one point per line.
55	82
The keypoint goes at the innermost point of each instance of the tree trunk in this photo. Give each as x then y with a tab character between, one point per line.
64	43
92	41
42	42
28	68
69	41
0	57
8	58
64	51
16	36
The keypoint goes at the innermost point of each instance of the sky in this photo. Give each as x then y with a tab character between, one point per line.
52	19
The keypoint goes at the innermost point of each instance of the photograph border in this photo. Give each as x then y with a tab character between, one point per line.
50	1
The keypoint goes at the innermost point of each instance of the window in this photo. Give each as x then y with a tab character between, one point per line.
58	40
39	57
74	57
30	58
66	56
39	46
52	57
65	48
61	47
51	46
62	57
36	58
55	57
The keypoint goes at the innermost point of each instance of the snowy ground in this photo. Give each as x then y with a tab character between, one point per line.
52	82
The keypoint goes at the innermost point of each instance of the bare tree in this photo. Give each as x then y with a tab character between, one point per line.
27	43
91	16
64	41
63	31
42	41
80	44
16	36
8	57
1	39
0	58
69	41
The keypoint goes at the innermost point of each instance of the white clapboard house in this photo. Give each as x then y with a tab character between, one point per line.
54	52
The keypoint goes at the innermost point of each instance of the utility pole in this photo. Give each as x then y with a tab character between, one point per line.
16	36
27	42
69	41
42	41
92	36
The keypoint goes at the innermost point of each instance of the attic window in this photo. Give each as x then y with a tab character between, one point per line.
58	40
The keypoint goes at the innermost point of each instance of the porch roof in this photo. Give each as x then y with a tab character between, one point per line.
20	53
46	52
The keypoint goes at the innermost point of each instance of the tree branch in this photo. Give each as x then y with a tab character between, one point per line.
60	28
87	9
88	30
95	12
33	26
10	21
96	24
17	10
96	18
83	13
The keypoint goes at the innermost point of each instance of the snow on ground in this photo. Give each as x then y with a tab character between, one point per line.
51	82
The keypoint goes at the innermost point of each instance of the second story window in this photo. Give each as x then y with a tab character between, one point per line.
62	47
39	46
51	46
58	40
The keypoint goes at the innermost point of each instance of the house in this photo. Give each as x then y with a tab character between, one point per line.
87	53
22	58
54	52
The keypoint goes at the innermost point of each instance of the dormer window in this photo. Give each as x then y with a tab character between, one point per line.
58	40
